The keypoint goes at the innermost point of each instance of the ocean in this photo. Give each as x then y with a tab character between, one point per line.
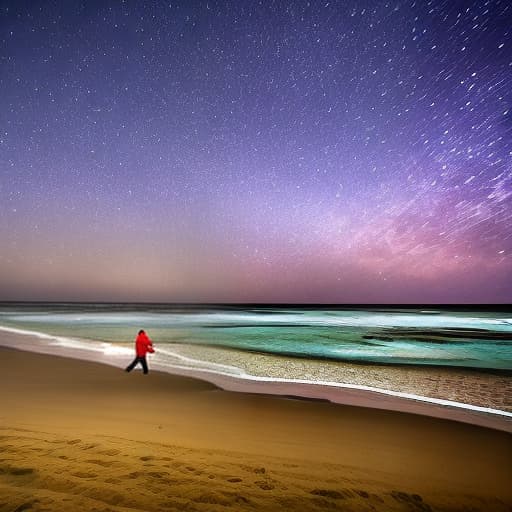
396	336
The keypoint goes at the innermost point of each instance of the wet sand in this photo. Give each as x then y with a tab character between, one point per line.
78	435
474	387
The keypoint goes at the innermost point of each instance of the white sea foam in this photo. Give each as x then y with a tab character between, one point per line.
71	343
221	369
324	318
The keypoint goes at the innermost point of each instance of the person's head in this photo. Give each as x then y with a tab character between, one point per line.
142	331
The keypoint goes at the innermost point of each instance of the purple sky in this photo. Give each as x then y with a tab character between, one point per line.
274	151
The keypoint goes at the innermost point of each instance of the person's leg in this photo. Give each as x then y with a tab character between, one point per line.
144	364
132	365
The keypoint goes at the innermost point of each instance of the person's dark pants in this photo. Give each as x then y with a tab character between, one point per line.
138	359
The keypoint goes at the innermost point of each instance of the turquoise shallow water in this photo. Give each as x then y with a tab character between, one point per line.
472	339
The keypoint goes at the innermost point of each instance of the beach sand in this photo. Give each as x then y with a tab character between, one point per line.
78	435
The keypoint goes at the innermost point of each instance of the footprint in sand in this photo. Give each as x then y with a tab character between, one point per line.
83	474
266	486
26	506
187	469
251	469
111	453
234	480
329	493
214	498
158	475
17	471
413	500
89	446
75	441
103	463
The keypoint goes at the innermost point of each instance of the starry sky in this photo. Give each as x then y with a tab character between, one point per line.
244	151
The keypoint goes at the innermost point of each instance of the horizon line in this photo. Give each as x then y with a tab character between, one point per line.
469	305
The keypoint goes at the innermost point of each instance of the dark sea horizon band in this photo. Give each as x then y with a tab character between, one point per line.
430	308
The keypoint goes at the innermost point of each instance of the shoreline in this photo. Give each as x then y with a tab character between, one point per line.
238	372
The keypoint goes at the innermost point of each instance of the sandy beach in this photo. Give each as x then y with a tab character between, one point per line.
78	435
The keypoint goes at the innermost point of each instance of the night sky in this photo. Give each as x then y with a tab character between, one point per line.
244	151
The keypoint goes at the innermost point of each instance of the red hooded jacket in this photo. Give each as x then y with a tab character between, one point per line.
143	345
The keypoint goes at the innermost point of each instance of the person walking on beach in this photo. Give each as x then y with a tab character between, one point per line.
143	345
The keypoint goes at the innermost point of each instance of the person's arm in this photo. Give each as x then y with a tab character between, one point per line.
151	350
